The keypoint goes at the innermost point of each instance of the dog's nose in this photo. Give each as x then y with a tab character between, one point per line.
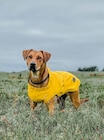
33	66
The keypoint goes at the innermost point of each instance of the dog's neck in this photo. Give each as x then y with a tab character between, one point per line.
40	78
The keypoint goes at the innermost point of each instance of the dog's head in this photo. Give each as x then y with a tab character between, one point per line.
35	59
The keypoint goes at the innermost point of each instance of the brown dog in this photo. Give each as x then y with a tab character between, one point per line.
44	84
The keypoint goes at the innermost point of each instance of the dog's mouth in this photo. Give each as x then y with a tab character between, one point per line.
33	72
33	68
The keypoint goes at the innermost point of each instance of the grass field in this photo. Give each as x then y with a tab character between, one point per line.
18	122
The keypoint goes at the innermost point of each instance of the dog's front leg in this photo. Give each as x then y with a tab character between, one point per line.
50	106
32	104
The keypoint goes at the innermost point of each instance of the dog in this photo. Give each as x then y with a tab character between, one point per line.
44	85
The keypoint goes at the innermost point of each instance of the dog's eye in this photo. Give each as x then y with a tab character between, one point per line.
38	57
30	56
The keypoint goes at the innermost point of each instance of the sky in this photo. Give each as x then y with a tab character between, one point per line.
71	30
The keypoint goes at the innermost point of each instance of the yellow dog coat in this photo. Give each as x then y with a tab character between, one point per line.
59	84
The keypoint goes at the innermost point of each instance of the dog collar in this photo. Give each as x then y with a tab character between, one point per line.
41	82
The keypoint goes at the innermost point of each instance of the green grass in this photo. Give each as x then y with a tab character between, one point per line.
18	122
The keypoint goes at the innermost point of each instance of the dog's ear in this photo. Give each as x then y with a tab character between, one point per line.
46	56
26	53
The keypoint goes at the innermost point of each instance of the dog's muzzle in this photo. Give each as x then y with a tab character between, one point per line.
32	67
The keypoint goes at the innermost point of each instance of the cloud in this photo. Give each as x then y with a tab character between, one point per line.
33	32
72	31
19	26
11	23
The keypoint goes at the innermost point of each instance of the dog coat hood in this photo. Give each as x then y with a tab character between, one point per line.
59	84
